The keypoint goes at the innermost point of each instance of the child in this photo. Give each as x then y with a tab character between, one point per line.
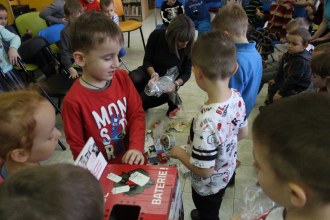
169	10
321	72
291	153
107	7
251	12
61	191
198	11
54	13
90	5
72	10
103	103
218	126
233	20
294	74
27	130
280	13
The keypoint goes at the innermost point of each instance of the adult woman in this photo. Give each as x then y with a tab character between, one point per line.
324	27
166	48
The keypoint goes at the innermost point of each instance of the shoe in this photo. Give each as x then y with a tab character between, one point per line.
194	214
172	114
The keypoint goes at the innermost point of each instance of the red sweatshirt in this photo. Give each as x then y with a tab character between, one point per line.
95	5
113	117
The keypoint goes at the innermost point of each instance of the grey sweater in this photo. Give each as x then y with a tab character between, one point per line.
54	13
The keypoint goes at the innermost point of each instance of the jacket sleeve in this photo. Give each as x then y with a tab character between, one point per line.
185	72
150	50
48	12
65	52
73	127
8	36
296	72
135	118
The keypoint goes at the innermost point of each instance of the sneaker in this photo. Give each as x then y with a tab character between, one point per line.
172	114
194	214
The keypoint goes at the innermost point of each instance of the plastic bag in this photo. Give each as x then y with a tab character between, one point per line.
256	203
161	86
175	98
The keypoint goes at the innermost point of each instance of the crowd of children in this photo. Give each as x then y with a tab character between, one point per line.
290	150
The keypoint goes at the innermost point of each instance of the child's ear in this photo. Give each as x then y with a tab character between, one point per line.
198	72
19	155
235	69
79	58
298	197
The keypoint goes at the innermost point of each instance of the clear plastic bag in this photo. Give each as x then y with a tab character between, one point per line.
255	203
161	86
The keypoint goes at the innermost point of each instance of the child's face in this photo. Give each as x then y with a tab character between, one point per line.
109	11
102	61
295	44
320	82
46	134
268	180
3	18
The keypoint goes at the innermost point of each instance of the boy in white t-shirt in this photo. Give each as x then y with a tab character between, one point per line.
217	127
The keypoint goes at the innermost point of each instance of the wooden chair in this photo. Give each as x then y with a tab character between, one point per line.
129	24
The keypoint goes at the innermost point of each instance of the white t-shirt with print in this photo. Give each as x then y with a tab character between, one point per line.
215	142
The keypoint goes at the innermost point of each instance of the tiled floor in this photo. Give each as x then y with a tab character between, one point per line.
192	98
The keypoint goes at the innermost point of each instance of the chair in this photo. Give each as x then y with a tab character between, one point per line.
127	25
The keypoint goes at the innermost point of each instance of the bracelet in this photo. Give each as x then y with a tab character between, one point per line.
154	74
177	85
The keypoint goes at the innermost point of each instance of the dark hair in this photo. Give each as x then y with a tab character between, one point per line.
322	48
231	18
215	53
320	65
303	33
180	29
72	8
105	3
3	8
17	121
91	29
295	134
55	192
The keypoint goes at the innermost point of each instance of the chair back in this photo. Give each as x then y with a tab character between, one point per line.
119	8
30	21
29	49
52	33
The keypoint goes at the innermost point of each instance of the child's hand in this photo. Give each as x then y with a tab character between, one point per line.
271	82
133	157
28	32
282	40
259	14
176	152
73	73
277	97
13	56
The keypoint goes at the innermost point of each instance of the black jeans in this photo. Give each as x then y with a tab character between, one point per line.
208	206
140	79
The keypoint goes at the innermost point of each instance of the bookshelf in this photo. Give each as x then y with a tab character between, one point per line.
136	9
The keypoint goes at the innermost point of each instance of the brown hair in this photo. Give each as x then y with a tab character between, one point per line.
320	65
180	29
296	23
303	33
105	3
231	18
55	192
297	140
215	54
322	48
17	122
92	29
72	8
3	8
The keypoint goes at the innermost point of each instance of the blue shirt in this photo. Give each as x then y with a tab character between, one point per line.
248	76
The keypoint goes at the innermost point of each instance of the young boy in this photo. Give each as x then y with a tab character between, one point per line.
233	20
27	131
294	74
291	153
72	10
61	191
90	5
103	103
198	11
169	10
218	126
321	72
